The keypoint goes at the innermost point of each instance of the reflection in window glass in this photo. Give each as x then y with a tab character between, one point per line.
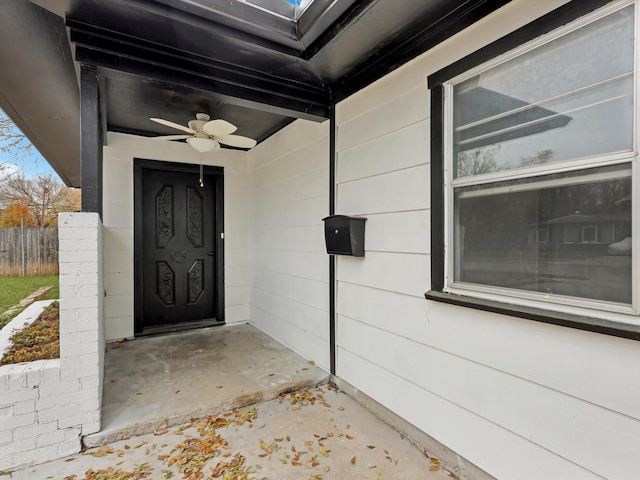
570	98
566	234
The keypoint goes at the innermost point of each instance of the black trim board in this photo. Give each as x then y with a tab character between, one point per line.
545	24
209	171
579	322
437	188
90	141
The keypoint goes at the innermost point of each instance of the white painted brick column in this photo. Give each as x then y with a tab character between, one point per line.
81	320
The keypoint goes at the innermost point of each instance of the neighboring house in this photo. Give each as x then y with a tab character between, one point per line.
531	376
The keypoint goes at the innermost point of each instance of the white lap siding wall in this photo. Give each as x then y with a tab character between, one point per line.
289	197
518	398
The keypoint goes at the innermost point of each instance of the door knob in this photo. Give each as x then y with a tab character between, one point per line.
210	254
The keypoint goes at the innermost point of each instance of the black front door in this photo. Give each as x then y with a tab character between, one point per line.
177	247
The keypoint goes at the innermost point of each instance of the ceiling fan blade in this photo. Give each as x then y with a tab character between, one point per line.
237	141
172	137
162	121
219	128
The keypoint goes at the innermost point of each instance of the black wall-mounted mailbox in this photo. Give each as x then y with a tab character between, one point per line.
344	235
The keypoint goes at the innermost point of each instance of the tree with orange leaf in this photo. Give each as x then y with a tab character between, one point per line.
15	213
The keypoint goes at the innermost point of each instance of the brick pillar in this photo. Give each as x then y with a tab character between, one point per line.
81	317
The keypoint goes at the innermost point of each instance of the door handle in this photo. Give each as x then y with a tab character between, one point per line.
210	254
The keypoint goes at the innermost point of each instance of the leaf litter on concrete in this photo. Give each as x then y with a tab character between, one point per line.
281	446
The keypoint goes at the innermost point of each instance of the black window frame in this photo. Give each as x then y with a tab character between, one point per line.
545	24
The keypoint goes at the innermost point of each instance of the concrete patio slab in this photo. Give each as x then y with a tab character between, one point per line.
318	434
157	382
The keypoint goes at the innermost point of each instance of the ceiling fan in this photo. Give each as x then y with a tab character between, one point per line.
206	135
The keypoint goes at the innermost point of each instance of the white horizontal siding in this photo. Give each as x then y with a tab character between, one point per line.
388	115
300	315
397	191
518	398
406	232
520	406
529	350
297	264
289	195
396	150
401	273
304	238
314	293
498	451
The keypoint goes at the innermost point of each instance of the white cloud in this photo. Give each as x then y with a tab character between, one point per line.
7	169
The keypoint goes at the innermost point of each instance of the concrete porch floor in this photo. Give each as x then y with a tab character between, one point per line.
333	438
208	399
157	382
229	378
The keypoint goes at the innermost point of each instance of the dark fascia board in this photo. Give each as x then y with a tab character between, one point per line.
545	24
348	17
228	93
395	55
320	17
236	84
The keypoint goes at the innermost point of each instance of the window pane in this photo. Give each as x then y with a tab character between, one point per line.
570	98
567	234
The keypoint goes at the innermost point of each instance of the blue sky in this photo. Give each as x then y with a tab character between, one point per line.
31	164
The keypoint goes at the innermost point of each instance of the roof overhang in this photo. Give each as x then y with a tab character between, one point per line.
241	60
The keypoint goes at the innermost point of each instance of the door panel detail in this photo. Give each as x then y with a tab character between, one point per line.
179	256
164	216
195	281
165	283
194	217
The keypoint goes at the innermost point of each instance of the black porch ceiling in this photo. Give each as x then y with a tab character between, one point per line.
258	64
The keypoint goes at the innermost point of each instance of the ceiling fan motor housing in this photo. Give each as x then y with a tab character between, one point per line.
197	125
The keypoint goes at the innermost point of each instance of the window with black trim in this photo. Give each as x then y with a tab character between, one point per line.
533	170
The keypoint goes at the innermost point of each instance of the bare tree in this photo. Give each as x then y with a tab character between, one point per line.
477	161
44	196
541	157
12	140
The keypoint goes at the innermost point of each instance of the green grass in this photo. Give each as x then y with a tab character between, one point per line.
14	289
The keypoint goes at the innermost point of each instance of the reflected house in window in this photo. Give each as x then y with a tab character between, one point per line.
599	230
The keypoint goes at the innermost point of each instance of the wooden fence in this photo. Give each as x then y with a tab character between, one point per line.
40	251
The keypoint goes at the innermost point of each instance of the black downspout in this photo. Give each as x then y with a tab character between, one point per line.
332	258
